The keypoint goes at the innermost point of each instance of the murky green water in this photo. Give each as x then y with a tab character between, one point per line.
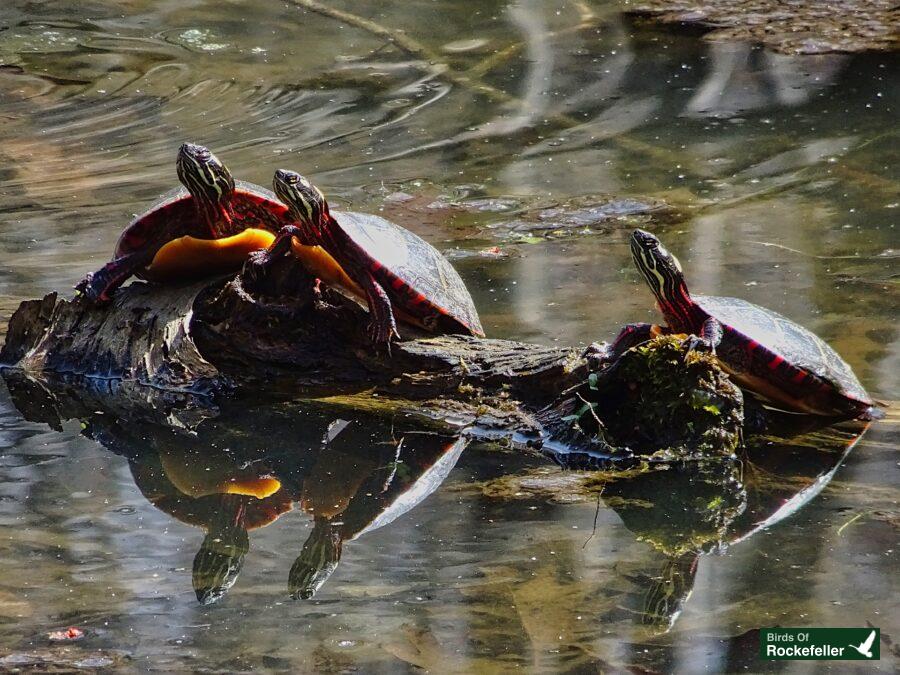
780	176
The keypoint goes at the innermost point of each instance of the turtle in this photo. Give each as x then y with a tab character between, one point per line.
764	352
396	272
351	495
205	227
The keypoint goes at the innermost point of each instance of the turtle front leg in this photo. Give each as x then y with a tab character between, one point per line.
260	261
710	337
99	286
283	241
599	354
382	326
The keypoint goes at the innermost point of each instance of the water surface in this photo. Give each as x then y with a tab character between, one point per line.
780	178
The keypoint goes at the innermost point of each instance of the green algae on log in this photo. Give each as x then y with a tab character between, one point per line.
801	27
660	399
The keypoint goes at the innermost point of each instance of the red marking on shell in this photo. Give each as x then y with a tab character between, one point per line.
774	363
375	266
752	345
398	283
799	376
419	299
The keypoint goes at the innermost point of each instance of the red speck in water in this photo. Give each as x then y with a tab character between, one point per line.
70	634
493	250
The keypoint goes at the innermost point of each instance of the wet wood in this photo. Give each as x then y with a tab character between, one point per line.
144	337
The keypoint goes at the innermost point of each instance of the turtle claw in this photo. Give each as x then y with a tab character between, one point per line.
597	355
88	288
381	333
256	266
695	343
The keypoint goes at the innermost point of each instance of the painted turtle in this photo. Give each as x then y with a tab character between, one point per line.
395	271
206	227
763	351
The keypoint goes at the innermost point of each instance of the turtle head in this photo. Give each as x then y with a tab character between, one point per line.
218	563
207	179
660	269
305	201
317	561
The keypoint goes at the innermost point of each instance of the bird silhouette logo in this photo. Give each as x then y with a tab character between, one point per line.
865	648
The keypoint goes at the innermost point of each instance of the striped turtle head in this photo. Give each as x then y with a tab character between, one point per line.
661	270
317	561
218	563
305	201
207	179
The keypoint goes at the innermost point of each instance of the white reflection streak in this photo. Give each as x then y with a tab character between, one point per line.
528	18
699	651
744	78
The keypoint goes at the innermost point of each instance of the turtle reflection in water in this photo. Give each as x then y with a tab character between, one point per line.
347	485
705	507
685	510
217	495
353	488
352	477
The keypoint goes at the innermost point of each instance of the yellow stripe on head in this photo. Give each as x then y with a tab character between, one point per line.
203	174
305	200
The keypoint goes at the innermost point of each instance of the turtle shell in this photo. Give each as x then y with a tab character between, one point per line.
414	262
795	344
253	206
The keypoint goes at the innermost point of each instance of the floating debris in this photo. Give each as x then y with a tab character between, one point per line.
809	27
70	634
493	252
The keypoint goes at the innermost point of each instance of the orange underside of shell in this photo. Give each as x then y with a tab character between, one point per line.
191	258
188	258
198	479
318	261
258	487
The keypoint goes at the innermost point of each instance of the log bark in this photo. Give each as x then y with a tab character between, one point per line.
277	330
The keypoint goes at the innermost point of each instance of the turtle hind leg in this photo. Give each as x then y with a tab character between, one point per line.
382	326
98	286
